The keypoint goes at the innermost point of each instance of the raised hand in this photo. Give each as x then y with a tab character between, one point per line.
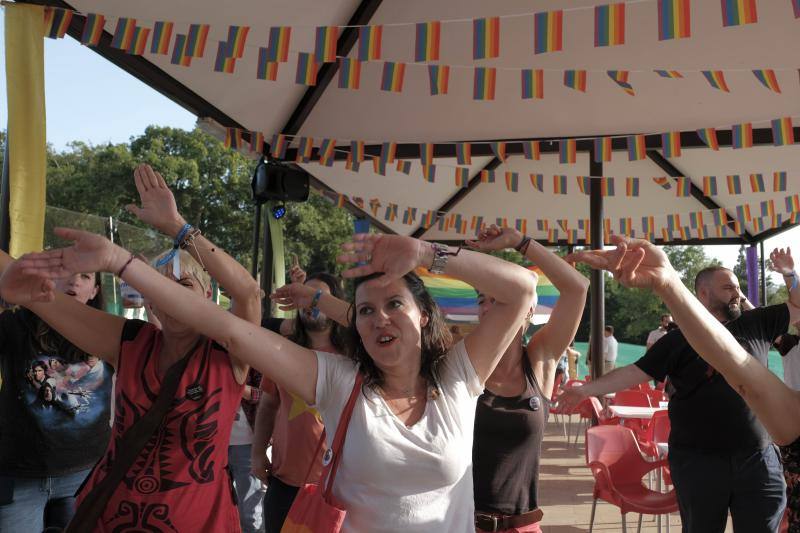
158	203
293	296
781	261
494	238
89	253
296	273
393	255
17	287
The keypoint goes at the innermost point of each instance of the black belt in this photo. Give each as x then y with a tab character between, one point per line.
501	522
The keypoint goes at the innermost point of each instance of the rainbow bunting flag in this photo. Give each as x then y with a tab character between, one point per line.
305	148
674	19
404	166
602	149
278	146
709	186
266	69
439	76
139	41
768	208
499	150
484	83
56	22
196	40
636	147
325	44
684	232
477	223
512	181
379	166
709	137
684	187
410	215
391	212
625	226
782	131
631	187
671	144
567	153
572	236
738	12
225	62
696	219
779	181
521	225
674	74
501	222
352	164
584	184
426	45
719	216
548	31
463	153
609	25
357	151
537	180
369	42
575	79
426	154
793	203
743	213
486	38
374	205
237	37
123	34
487	176
341	199
673	221
93	29
768	79
734	184
429	173
306	69
462	176
559	184
233	138
648	225
428	219
742	135
716	79
162	34
392	78
620	77
388	152
349	73
530	149
552	235
663	182
757	183
666	235
326	148
278	44
180	55
542	224
532	83
256	142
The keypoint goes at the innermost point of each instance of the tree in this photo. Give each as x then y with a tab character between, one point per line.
740	269
688	261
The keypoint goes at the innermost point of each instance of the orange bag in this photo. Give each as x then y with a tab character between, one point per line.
315	510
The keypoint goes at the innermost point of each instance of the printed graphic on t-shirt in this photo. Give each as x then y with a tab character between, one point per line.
62	395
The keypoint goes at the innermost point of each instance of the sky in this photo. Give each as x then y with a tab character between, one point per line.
102	103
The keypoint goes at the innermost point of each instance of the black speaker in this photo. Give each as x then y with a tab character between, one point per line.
277	181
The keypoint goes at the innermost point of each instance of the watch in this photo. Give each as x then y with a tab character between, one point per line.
440	255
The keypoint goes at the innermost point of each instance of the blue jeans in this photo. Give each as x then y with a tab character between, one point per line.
249	490
35	504
750	484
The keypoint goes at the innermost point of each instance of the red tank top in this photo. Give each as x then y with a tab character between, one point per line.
179	482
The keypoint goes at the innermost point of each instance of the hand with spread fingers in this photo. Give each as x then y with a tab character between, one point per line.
88	253
781	261
495	238
18	287
158	203
293	296
393	255
634	263
570	398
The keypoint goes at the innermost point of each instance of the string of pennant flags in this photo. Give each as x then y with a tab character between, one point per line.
702	224
674	22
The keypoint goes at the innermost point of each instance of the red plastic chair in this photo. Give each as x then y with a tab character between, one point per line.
554	412
656	397
600	413
583	409
618	467
632	397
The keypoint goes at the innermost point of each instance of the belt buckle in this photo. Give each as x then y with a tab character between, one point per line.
495	522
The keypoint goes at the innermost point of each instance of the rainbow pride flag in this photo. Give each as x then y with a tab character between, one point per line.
499	150
93	29
409	215
734	184
349	73
512	181
357	151
779	181
602	149
463	153
484	83
631	186
196	40
353	165
462	176
56	22
738	12
674	19
486	38
559	184
674	74
793	203
663	182
306	69
162	34
626	226
426	154
388	152
567	151
636	147
429	173
180	56
575	79
392	78
325	44
757	183
123	34
487	176
305	148
426	45
716	79
584	184
266	69
609	25
369	42
531	150
709	137
537	180
278	146
709	186
683	187
768	79
139	41
742	135
256	142
379	166
532	83
404	166
648	225
782	131
620	77
671	144
548	31
439	76
233	138
278	44
225	61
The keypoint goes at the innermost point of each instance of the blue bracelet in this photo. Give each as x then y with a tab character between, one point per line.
175	245
793	275
315	302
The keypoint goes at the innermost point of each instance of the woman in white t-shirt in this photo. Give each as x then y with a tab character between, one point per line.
406	465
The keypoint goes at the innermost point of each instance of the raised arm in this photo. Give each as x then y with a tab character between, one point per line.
641	264
296	296
781	261
512	286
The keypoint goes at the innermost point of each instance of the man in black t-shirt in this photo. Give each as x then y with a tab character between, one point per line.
721	457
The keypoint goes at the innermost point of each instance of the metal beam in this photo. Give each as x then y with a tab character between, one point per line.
597	307
776	231
660	242
457	197
695	191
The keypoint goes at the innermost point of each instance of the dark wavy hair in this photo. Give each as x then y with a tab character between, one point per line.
98	302
436	336
300	335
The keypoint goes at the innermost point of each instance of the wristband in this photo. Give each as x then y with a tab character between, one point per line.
522	247
315	303
792	275
121	270
441	254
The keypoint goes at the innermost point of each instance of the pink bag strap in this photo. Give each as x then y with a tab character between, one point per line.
337	445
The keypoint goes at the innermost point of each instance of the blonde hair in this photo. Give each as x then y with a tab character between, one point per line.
188	266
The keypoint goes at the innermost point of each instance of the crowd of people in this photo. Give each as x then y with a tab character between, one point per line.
442	435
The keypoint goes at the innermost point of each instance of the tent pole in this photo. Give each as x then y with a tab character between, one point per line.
762	263
597	289
256	240
752	275
5	198
266	269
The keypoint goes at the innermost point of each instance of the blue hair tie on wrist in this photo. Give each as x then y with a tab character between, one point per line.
173	254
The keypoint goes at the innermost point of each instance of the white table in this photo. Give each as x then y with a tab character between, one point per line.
630	411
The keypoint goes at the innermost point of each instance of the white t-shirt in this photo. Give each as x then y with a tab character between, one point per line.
655	335
791	368
398	479
241	433
610	346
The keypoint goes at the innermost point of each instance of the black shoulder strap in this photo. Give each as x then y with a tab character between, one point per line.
132	442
